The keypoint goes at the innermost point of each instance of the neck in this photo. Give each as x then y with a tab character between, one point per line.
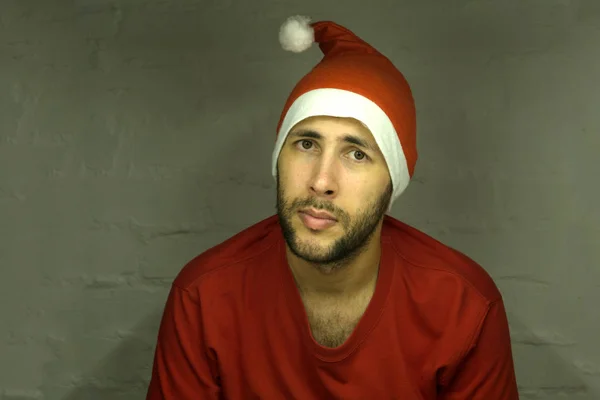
352	277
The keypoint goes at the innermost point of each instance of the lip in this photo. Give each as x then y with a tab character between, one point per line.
317	220
319	214
316	224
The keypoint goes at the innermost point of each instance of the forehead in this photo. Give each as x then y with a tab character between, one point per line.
336	128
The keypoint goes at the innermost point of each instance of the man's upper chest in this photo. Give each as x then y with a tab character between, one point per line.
268	351
332	320
285	363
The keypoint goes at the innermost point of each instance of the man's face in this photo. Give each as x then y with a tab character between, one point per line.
332	165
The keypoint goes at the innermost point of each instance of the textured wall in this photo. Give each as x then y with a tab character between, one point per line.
136	134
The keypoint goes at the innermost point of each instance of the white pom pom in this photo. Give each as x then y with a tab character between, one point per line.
296	34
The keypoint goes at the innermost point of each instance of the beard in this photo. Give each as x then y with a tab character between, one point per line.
358	230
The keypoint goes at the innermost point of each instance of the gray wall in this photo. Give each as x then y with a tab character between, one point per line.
136	134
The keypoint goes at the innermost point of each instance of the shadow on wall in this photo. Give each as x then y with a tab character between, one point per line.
123	375
553	377
203	80
157	68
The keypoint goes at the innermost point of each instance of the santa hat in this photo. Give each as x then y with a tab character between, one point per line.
352	80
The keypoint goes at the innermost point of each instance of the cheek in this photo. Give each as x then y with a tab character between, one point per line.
288	183
363	192
294	174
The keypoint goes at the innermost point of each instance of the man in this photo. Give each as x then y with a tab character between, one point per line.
331	298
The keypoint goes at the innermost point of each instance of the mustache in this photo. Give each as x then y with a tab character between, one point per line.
309	203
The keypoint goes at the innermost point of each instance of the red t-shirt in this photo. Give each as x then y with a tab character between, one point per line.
234	327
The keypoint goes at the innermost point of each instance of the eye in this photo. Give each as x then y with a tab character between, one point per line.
306	144
359	155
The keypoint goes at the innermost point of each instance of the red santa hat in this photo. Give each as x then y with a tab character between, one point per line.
352	80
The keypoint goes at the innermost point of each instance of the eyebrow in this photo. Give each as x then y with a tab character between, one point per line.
353	139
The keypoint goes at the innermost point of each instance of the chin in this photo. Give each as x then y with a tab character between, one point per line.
312	254
314	247
314	239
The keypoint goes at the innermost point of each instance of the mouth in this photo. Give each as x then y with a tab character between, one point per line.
318	214
317	220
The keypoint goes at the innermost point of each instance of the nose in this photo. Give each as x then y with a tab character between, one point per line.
324	181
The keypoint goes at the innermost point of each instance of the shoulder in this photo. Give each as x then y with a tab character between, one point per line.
231	255
436	264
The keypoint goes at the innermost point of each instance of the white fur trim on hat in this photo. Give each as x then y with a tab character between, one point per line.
342	103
